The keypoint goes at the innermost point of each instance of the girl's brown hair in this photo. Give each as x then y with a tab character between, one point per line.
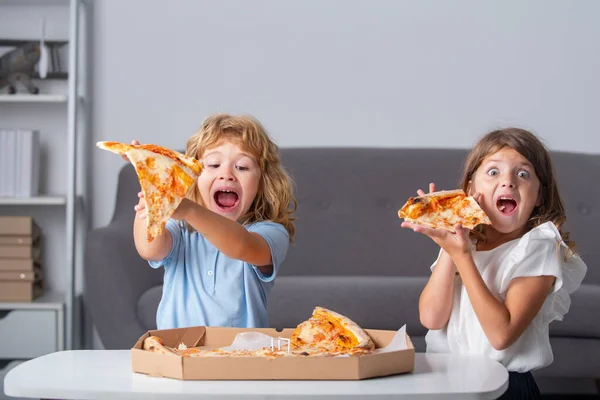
530	147
274	200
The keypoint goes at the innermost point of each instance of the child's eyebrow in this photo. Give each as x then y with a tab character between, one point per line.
525	164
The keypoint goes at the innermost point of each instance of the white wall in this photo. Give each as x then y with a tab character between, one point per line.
343	73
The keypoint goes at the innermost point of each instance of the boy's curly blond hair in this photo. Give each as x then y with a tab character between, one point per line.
274	200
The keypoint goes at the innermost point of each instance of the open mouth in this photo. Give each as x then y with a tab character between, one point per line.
506	205
226	199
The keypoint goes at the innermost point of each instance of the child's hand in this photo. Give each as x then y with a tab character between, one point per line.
455	244
431	189
140	207
123	156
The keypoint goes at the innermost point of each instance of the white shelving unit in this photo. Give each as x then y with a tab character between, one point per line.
62	211
40	98
34	201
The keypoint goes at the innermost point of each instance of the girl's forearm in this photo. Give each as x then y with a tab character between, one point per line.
492	314
435	303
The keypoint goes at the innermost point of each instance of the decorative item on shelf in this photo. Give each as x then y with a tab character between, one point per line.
19	65
21	277
19	162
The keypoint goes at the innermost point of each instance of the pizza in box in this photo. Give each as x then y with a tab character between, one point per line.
325	333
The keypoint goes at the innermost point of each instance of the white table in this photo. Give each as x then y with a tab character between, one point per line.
106	374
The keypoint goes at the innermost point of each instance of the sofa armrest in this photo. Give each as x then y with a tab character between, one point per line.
115	278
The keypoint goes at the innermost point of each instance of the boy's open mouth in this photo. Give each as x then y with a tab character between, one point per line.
507	205
226	199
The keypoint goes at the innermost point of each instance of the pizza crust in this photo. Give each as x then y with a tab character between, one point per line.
156	345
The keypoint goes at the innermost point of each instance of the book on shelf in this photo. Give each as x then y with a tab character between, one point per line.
19	162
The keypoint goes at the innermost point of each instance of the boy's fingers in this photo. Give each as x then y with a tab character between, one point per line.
420	192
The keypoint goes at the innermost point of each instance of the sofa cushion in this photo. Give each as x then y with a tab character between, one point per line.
573	358
582	318
377	302
147	306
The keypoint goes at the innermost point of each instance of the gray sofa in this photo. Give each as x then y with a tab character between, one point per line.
350	253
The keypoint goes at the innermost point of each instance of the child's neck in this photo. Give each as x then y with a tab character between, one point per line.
494	238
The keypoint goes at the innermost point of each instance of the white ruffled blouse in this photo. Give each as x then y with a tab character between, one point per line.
540	251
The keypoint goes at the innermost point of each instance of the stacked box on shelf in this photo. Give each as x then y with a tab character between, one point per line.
21	277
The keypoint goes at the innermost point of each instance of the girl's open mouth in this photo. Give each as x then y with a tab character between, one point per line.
506	205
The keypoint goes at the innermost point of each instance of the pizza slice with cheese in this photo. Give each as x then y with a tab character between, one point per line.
332	333
165	178
444	209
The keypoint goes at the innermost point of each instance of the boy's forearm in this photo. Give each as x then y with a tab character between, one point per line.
225	234
435	303
155	250
230	237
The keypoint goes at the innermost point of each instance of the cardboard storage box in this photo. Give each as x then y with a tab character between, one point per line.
258	368
20	281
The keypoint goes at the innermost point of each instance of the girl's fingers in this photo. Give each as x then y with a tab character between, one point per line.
431	189
406	225
142	215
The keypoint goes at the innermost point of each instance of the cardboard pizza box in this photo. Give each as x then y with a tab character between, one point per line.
260	368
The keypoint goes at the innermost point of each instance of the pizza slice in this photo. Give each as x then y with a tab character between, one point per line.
444	209
165	178
330	332
157	345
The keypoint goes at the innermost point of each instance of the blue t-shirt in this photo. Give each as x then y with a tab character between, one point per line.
202	286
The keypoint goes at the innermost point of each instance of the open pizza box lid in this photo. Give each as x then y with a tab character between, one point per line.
392	360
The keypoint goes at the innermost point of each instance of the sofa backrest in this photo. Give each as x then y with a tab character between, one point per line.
348	200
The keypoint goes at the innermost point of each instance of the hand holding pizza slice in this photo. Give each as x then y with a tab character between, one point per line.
444	209
165	178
